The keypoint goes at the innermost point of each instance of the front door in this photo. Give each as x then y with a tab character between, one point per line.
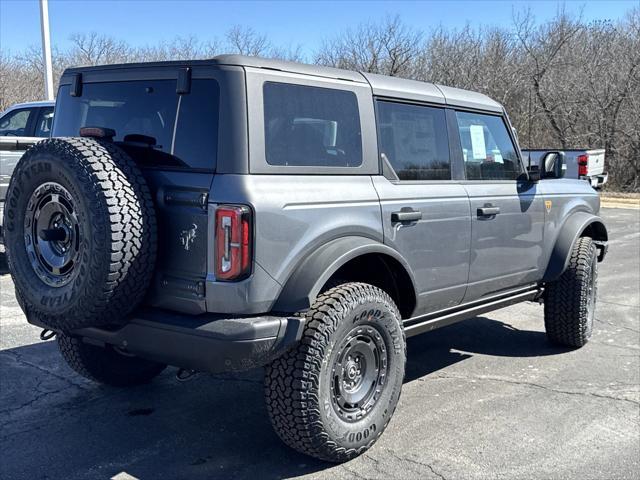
425	213
507	212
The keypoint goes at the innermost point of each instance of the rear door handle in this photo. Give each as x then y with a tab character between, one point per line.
406	215
488	211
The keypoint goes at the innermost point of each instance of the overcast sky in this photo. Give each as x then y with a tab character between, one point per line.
148	22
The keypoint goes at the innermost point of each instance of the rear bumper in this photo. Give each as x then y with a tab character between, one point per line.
205	343
597	181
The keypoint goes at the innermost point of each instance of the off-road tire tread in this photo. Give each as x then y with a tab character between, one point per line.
116	190
97	364
292	380
566	299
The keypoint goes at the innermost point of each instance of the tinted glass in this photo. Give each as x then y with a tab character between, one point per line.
196	141
487	149
413	140
15	123
130	108
311	126
143	113
43	124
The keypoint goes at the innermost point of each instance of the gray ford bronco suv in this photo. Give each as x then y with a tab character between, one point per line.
237	212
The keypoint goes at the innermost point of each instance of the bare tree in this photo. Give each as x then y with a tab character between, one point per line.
547	48
388	48
95	49
246	41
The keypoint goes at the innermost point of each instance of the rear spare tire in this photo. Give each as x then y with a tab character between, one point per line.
80	233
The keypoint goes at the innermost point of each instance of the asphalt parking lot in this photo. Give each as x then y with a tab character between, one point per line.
486	398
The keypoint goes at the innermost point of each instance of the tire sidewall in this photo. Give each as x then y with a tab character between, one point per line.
384	317
38	166
593	277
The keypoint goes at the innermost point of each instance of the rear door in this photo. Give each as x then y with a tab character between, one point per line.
507	212
425	210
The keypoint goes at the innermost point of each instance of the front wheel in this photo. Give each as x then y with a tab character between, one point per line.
570	301
334	394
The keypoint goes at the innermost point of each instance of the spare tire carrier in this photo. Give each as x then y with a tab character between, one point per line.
52	234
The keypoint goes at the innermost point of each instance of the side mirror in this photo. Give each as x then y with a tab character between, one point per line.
553	165
534	173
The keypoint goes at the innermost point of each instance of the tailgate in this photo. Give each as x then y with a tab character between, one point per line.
183	237
596	162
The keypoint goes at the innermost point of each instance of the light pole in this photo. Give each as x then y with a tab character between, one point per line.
46	49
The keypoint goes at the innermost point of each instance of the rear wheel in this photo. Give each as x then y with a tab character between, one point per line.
570	301
106	364
334	394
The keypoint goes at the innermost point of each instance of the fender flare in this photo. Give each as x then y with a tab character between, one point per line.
304	284
570	232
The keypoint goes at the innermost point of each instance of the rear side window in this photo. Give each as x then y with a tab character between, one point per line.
489	153
43	123
143	115
311	126
413	141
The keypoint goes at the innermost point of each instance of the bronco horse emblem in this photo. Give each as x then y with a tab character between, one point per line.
188	236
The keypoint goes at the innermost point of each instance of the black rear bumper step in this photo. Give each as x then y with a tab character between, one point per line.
206	343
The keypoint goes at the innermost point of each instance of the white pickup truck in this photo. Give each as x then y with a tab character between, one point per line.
586	164
21	126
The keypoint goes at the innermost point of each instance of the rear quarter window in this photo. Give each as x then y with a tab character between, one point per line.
311	126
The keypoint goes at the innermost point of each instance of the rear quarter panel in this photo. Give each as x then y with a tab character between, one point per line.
293	216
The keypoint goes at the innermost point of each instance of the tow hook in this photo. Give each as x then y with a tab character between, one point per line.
185	374
47	334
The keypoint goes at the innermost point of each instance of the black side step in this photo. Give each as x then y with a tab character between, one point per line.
426	323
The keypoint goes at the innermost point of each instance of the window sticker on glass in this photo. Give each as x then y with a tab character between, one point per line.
477	142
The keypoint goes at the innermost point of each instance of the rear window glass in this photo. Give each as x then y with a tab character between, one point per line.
311	126
143	115
196	140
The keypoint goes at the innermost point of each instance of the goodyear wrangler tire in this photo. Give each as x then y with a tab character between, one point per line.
334	394
570	301
80	233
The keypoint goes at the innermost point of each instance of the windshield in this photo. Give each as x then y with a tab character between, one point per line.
143	116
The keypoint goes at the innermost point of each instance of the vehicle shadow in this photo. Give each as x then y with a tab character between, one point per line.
436	350
210	427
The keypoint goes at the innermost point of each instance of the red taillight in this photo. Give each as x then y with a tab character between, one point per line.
233	242
583	165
